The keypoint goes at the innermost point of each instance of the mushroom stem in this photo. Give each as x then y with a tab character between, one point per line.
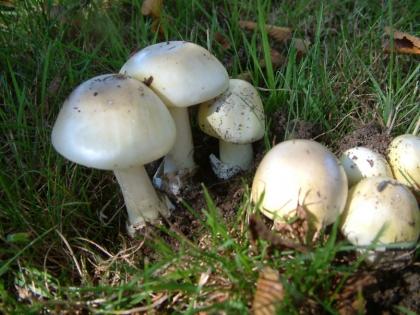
181	155
240	155
143	204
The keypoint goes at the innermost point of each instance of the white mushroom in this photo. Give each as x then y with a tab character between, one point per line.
236	118
383	210
182	74
112	122
361	162
404	158
300	173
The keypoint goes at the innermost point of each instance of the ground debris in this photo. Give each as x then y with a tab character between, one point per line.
371	135
260	231
269	292
351	300
403	43
278	33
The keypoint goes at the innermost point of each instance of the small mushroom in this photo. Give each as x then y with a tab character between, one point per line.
236	118
404	158
381	210
113	122
361	162
182	74
300	173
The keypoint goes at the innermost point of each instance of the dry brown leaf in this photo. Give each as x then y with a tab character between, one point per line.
350	300
301	45
278	33
260	231
269	292
222	40
277	59
152	8
7	3
246	76
403	43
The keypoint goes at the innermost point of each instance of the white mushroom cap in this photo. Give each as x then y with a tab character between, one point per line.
404	158
236	116
113	122
300	172
361	162
380	205
181	73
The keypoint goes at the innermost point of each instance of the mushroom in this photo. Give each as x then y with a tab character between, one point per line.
182	74
236	118
113	122
300	173
381	210
404	158
361	162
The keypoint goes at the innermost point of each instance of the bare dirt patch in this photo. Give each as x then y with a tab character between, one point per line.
371	135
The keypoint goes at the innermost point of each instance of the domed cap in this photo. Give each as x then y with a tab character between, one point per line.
361	162
404	158
381	209
236	116
181	73
113	122
300	172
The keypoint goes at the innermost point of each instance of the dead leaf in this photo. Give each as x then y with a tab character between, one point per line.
299	225
7	3
301	45
152	8
277	59
403	43
350	300
260	231
222	40
246	76
269	292
278	33
55	85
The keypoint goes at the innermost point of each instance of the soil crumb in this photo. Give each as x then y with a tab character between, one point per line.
372	136
282	129
396	287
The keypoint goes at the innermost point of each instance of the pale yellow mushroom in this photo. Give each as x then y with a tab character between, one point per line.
113	122
381	210
300	173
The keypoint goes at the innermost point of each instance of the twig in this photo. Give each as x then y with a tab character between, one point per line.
71	252
143	308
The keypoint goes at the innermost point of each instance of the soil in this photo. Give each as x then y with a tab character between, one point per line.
371	135
394	287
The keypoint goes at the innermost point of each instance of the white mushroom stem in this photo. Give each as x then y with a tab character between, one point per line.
143	204
181	155
240	155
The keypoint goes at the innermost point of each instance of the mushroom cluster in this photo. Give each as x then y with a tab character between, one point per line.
380	208
121	122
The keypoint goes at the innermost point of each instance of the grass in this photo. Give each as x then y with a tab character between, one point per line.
62	232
